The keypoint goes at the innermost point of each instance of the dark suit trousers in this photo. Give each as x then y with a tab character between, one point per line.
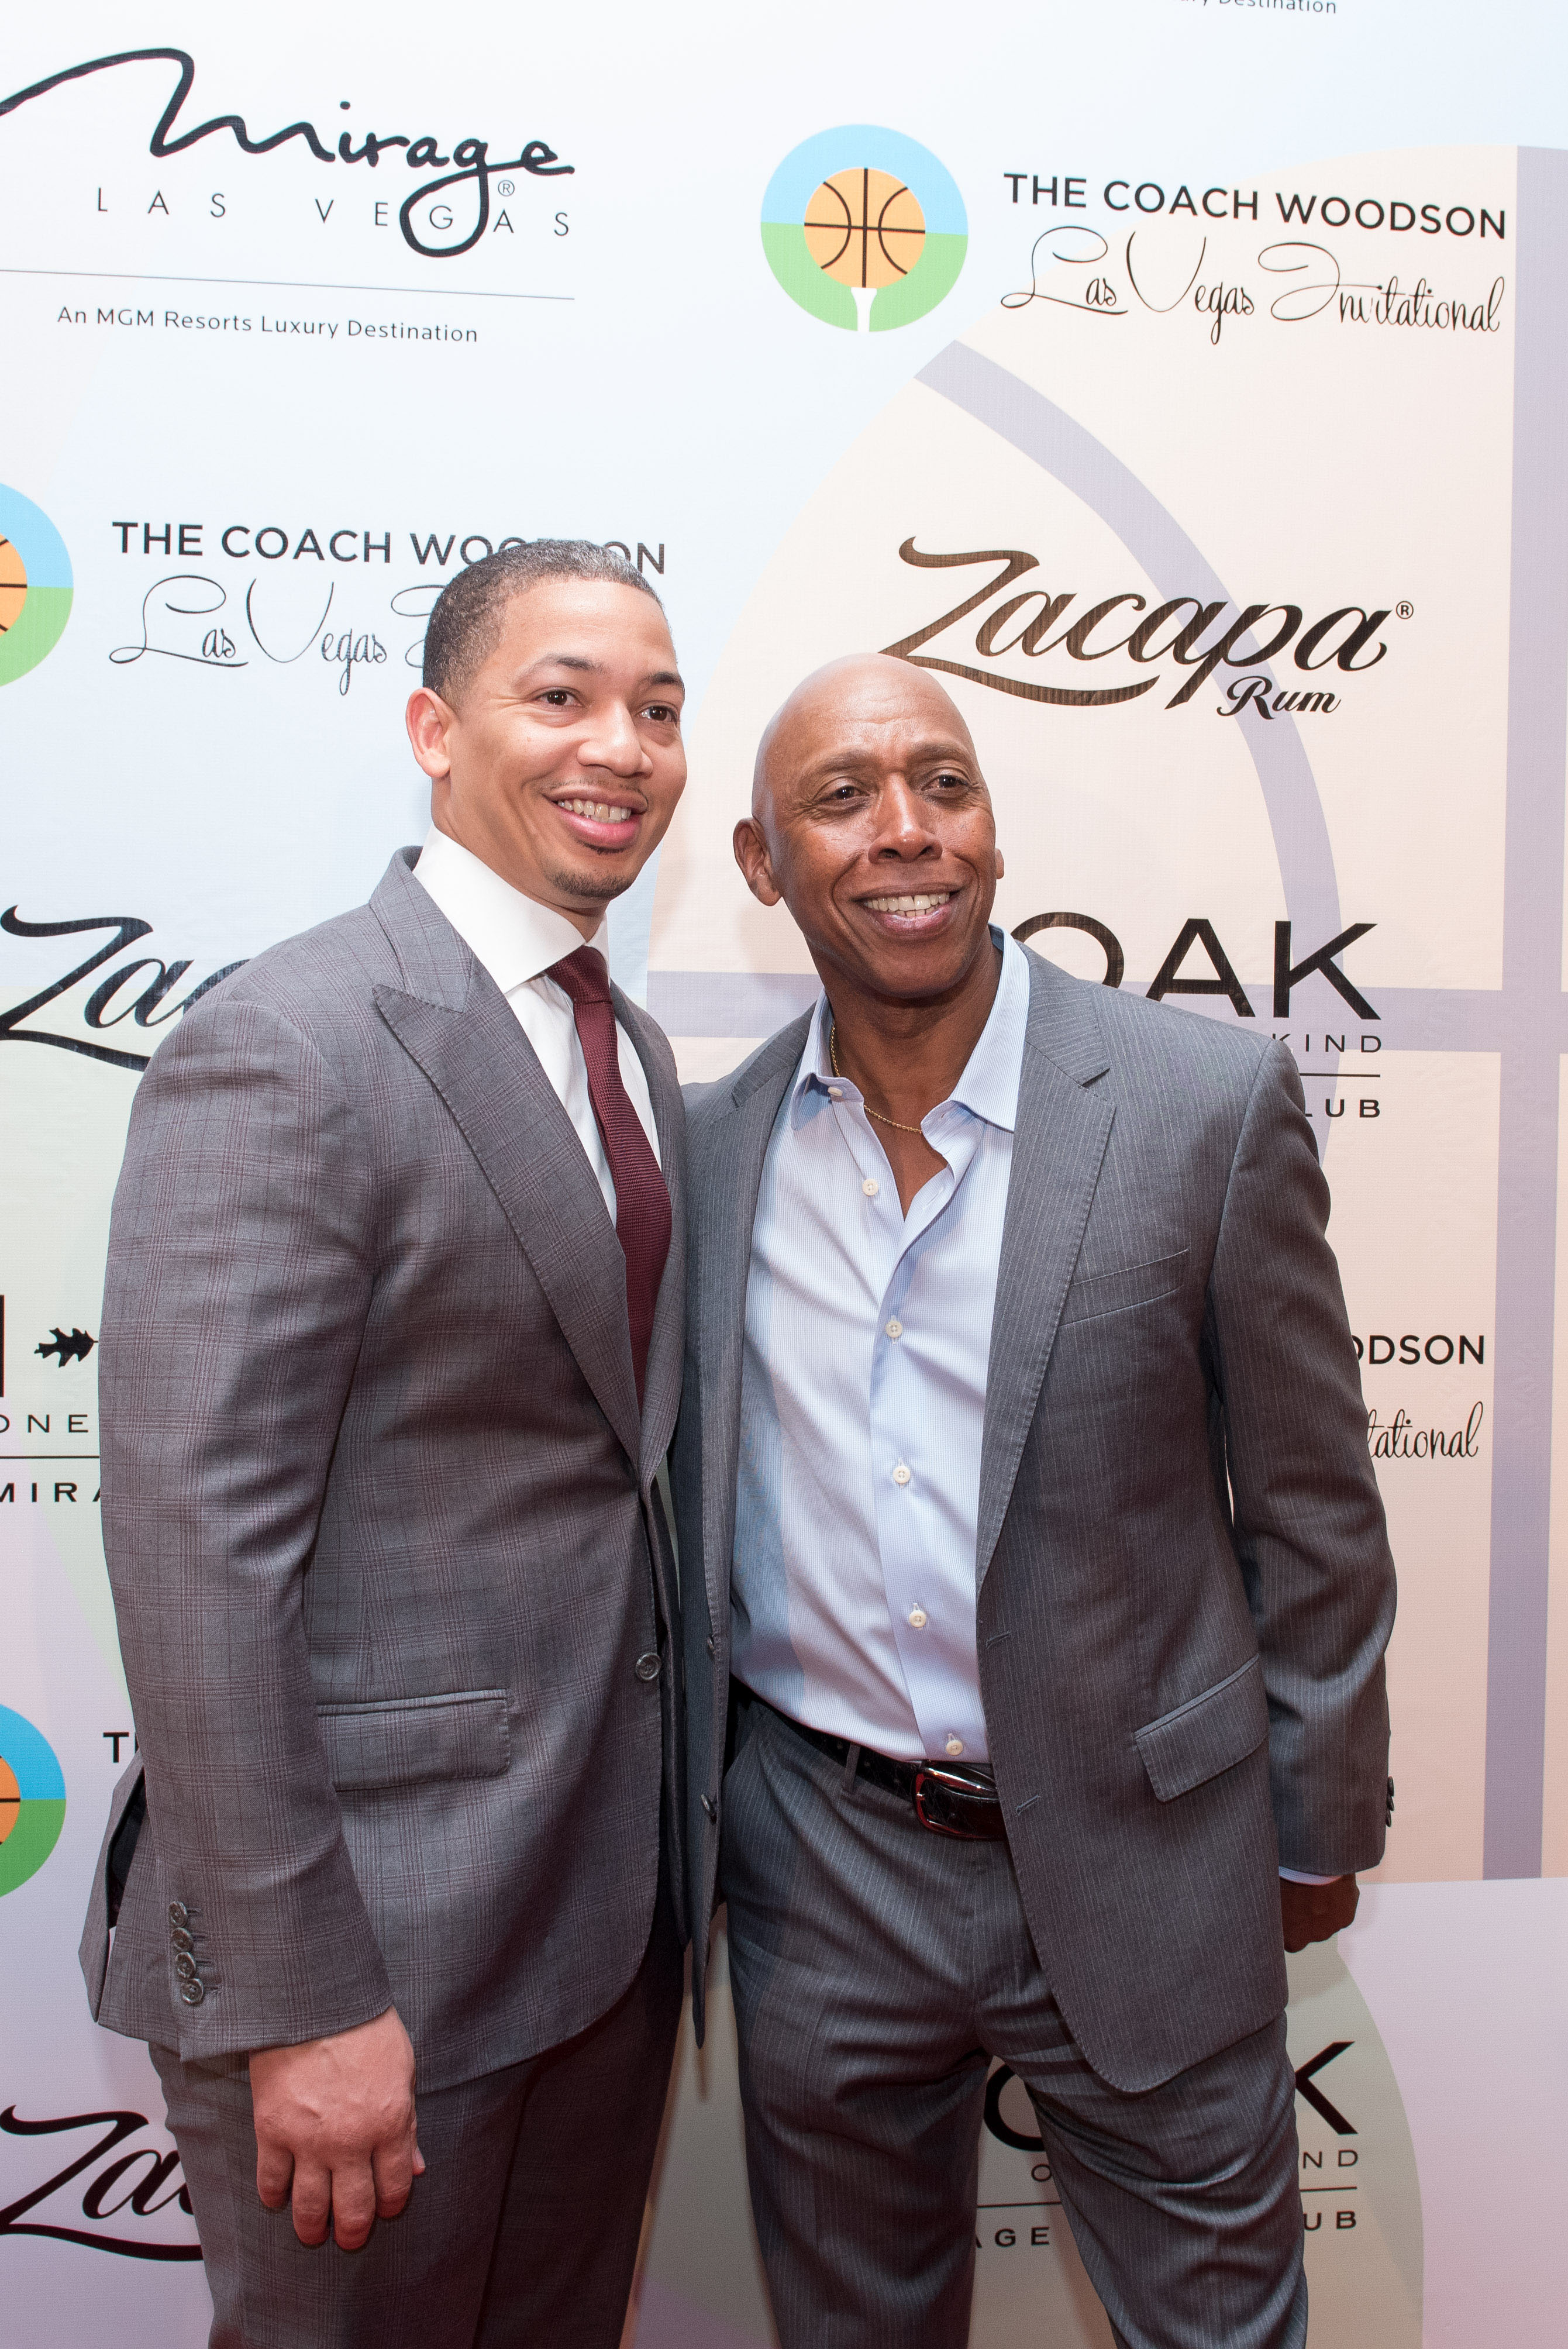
522	2234
876	1969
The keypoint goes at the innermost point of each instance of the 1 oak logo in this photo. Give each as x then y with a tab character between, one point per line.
1306	2087
1199	931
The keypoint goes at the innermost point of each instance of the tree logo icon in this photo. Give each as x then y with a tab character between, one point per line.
864	228
34	585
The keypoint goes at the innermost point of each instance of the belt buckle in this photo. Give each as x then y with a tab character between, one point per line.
948	1784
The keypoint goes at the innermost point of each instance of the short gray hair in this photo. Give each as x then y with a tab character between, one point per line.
465	626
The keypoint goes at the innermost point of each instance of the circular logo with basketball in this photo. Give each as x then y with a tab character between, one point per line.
34	585
864	228
32	1800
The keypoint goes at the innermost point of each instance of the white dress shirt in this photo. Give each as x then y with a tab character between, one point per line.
517	940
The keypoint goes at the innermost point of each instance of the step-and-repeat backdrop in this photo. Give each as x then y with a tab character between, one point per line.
1182	383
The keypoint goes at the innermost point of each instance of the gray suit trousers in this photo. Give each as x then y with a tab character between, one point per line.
522	2235
876	1969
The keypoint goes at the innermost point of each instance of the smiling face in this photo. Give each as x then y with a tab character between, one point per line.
561	762
872	821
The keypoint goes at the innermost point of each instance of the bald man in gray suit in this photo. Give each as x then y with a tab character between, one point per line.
391	1355
1027	1520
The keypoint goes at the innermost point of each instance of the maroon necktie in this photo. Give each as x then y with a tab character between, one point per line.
642	1202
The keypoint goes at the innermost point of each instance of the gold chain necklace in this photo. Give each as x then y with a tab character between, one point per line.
833	1056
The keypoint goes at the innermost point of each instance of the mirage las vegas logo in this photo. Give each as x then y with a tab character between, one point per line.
437	230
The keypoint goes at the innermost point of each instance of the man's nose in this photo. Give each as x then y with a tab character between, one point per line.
611	741
903	826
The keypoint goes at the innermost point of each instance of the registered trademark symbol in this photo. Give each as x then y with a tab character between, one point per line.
506	187
1405	611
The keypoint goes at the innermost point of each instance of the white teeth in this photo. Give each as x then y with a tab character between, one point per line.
921	904
599	810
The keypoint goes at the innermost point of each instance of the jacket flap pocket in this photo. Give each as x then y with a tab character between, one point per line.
411	1741
1212	1732
1094	1293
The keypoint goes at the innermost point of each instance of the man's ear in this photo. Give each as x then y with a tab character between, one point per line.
429	718
1001	867
751	855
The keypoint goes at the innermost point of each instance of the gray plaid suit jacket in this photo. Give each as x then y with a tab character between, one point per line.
381	1520
1185	1589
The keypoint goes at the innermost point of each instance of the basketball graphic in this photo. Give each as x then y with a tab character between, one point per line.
34	585
864	228
13	585
32	1800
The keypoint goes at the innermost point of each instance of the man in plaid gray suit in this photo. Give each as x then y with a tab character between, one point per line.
391	1354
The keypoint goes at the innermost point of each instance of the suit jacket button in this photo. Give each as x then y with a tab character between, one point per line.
647	1667
182	1938
191	1993
710	1806
178	1913
711	1645
185	1965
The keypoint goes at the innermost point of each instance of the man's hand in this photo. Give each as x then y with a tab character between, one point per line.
1311	1912
334	2119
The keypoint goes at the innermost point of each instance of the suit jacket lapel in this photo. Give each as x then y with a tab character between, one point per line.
726	1209
1058	1143
457	1024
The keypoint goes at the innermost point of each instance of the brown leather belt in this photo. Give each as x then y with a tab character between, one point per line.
948	1800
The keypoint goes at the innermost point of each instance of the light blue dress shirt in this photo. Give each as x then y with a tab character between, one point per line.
862	1406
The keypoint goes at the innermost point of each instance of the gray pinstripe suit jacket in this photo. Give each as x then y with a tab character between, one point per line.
1185	1589
380	1516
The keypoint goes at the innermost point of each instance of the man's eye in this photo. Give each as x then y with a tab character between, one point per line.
557	696
662	714
952	782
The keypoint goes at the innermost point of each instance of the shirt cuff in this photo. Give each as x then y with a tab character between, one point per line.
1296	1876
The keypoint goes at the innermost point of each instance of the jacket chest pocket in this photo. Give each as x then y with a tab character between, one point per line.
1094	1295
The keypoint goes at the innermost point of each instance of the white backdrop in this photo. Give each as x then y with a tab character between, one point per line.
1255	307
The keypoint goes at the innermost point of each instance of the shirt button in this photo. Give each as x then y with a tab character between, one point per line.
916	1618
901	1475
955	1746
895	1328
870	1186
835	1093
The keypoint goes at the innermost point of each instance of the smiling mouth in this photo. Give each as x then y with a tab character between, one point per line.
922	901
606	825
599	810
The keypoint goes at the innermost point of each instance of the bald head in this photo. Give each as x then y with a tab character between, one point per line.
871	819
846	706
